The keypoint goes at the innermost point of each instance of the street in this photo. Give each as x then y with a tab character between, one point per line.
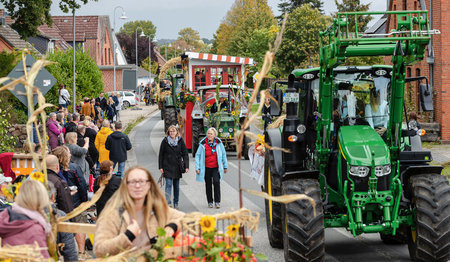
340	245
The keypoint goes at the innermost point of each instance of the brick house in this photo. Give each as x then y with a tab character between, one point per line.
435	66
10	39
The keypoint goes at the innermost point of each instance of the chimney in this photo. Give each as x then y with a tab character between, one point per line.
2	17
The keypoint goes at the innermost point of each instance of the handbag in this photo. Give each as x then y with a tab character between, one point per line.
182	166
67	101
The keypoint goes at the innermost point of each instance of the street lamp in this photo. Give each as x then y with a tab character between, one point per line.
150	60
142	34
123	17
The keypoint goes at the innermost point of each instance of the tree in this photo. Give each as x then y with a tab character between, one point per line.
289	6
355	6
301	40
246	22
189	35
89	81
128	44
29	15
129	28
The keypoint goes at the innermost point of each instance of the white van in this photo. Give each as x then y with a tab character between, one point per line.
129	98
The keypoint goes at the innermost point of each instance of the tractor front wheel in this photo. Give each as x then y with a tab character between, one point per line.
430	198
170	117
303	231
273	209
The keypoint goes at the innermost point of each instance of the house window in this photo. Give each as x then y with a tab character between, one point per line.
408	72
105	57
51	46
109	56
405	4
418	72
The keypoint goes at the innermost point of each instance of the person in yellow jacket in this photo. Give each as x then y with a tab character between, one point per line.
100	140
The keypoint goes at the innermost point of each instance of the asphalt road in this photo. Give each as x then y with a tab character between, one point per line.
340	245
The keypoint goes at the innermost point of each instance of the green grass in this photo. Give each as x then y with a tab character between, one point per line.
133	124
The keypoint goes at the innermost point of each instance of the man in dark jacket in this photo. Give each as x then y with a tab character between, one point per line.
63	197
118	144
102	101
72	125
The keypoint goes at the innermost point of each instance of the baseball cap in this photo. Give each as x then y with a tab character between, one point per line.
4	179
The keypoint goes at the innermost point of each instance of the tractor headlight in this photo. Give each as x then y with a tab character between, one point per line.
361	171
230	129
220	130
301	129
382	170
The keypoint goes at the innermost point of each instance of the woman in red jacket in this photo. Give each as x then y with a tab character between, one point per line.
25	223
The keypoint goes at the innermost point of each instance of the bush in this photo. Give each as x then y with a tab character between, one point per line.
89	81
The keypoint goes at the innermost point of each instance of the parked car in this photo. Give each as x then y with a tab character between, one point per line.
129	98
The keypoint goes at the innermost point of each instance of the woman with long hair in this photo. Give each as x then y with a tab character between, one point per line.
63	96
173	161
111	181
132	215
25	223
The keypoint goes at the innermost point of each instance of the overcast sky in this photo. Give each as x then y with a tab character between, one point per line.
170	16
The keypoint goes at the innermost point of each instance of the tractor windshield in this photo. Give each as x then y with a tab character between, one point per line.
361	99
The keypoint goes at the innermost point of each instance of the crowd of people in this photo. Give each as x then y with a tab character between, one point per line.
84	149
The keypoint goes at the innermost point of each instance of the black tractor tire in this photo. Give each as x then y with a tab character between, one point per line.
245	148
273	209
195	135
304	233
170	117
430	198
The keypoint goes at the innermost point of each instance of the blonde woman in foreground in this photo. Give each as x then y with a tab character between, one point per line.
25	223
132	215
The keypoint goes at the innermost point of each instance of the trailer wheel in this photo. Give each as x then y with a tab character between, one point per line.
196	130
304	233
430	198
273	209
170	117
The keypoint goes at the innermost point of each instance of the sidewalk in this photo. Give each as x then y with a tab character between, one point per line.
130	114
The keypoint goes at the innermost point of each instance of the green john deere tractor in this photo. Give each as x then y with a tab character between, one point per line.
169	101
350	150
226	120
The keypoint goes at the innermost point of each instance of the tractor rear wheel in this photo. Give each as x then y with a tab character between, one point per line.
273	209
304	232
170	117
430	198
195	135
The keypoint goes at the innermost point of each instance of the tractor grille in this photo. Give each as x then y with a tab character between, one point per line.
362	183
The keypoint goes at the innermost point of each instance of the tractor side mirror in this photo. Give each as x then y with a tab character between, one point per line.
275	109
426	97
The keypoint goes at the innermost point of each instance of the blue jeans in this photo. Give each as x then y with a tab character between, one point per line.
120	169
176	190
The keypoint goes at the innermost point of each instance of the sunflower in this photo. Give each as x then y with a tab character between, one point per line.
260	140
208	223
38	176
232	230
233	113
206	114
